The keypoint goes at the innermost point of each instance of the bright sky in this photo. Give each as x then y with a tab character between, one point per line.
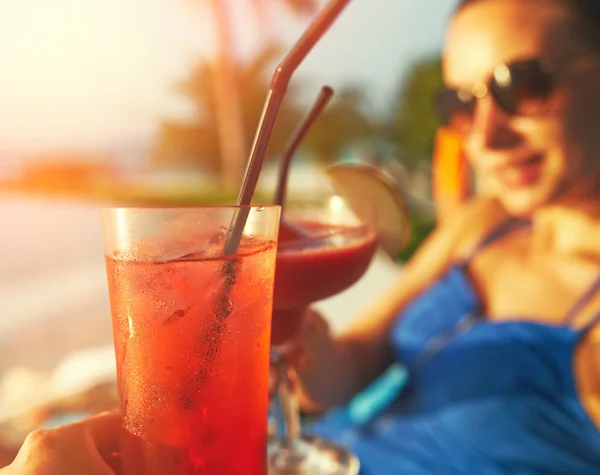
99	72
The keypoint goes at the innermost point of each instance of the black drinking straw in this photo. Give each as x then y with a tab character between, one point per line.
277	90
296	139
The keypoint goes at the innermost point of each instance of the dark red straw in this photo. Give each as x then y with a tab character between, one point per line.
296	139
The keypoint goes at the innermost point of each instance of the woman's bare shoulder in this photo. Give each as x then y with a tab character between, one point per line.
453	238
471	221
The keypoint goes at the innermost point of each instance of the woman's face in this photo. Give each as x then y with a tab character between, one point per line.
527	161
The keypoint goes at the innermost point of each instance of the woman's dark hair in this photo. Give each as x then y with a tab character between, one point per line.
583	17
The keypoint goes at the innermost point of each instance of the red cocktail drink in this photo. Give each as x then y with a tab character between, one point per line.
193	354
328	259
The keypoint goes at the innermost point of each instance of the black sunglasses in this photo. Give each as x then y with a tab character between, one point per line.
521	88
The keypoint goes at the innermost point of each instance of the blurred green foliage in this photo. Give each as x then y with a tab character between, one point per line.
421	226
414	121
196	142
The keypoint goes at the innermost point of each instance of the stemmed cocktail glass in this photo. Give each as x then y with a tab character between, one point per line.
323	249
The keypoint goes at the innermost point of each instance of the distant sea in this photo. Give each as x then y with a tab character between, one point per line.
53	292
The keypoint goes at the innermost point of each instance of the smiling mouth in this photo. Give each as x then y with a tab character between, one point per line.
523	173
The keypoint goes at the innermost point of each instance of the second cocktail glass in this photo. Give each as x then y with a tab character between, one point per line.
191	331
326	250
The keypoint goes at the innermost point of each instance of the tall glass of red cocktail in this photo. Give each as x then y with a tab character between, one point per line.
323	249
191	333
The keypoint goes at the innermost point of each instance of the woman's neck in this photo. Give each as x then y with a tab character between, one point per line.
569	228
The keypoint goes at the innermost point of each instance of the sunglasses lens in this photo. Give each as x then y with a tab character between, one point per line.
521	88
456	109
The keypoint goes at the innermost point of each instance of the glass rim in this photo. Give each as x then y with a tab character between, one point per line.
190	208
300	244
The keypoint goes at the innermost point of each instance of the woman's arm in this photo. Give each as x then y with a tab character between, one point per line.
333	370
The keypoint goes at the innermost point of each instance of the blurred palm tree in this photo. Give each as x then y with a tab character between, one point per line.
219	136
233	136
196	142
227	102
413	123
344	123
224	146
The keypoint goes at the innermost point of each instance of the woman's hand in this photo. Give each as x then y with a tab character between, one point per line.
314	334
86	447
313	331
304	352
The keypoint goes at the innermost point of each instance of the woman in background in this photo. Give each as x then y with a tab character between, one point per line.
496	316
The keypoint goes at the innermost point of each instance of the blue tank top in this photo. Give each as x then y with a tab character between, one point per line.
483	397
